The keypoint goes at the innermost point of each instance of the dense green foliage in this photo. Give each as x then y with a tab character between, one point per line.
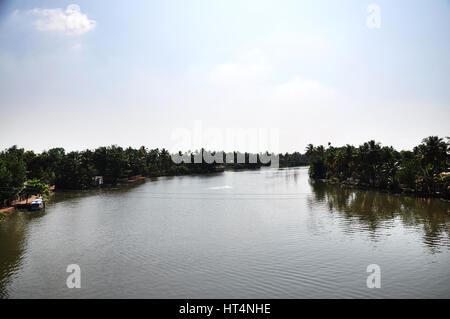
294	159
77	170
35	187
12	174
423	170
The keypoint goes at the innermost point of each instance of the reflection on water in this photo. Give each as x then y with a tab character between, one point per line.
269	233
12	242
374	211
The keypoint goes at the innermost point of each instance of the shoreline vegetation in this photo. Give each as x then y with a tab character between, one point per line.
424	171
24	173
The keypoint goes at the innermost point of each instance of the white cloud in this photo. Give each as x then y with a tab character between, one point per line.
253	85
77	47
247	91
71	21
239	74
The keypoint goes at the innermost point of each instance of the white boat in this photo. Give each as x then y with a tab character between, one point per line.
37	204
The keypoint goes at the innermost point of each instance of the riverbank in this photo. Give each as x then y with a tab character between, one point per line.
132	179
4	212
23	203
397	191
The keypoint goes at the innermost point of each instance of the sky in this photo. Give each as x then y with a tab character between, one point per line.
185	74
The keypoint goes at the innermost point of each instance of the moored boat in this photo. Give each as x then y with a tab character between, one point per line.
37	204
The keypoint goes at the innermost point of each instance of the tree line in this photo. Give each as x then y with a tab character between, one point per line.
27	172
424	170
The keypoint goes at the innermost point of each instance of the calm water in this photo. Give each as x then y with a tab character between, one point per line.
253	234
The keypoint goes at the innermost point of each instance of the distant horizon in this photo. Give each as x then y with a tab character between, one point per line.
302	151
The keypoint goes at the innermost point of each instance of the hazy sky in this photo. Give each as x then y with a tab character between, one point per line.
137	72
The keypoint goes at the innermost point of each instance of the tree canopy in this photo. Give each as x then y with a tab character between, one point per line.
423	170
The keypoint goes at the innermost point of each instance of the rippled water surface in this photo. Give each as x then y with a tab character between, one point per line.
251	234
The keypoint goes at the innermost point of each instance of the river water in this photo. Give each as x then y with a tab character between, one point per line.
269	233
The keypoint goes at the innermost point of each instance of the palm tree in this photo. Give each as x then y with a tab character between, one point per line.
433	153
309	150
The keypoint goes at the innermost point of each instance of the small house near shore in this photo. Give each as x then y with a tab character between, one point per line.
97	181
